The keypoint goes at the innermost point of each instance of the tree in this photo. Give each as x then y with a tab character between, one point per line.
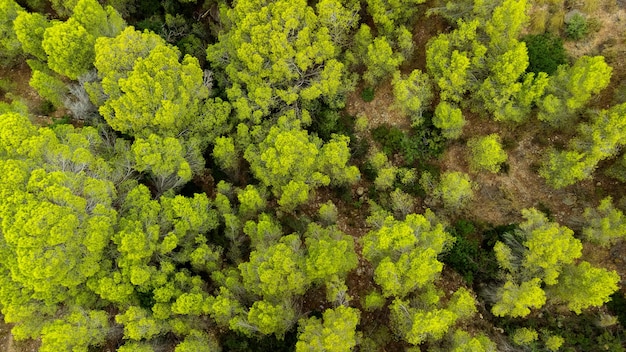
582	286
427	320
69	48
167	161
380	60
198	342
159	95
449	119
11	50
336	331
605	224
280	53
99	21
413	94
281	262
464	342
292	163
330	254
49	87
486	153
389	15
79	330
404	253
596	141
542	253
455	190
517	300
570	88
29	29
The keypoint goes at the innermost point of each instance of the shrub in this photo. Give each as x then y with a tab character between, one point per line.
486	153
545	53
367	94
577	27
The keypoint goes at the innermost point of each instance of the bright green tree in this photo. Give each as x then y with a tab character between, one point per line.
279	53
292	163
29	29
70	48
455	190
570	88
166	160
605	224
582	286
390	14
79	330
517	300
330	253
404	253
381	60
159	95
10	45
281	262
49	87
413	94
486	153
449	119
334	332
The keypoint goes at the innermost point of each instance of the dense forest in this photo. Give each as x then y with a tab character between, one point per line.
321	175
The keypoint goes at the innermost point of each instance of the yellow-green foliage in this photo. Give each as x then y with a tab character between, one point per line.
524	336
486	153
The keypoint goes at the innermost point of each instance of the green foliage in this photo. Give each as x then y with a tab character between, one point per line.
69	47
465	255
292	163
596	141
583	286
455	190
486	153
577	28
380	60
328	213
389	15
417	325
282	262
79	330
413	94
10	44
335	333
524	336
554	342
449	119
367	94
330	253
49	87
517	300
545	52
29	29
570	88
605	224
404	253
166	161
278	53
138	108
464	342
374	300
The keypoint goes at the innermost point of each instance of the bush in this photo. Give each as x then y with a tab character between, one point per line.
577	27
486	153
545	53
367	94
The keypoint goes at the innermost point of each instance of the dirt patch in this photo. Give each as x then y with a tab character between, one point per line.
380	110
